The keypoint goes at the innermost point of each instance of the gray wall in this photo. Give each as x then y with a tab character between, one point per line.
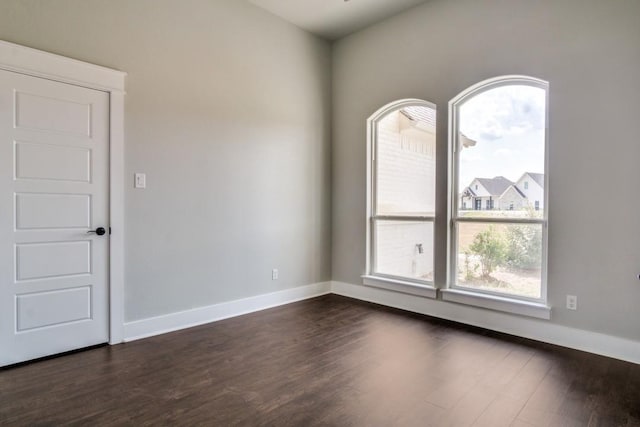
588	50
228	113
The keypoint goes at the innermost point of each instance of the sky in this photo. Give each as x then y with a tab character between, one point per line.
508	124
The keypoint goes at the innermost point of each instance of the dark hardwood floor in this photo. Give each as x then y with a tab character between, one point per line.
329	361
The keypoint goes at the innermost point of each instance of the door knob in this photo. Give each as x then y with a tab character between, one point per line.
100	231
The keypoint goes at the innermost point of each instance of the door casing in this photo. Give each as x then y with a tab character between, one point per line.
58	68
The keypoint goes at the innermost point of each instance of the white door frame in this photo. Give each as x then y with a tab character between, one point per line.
58	68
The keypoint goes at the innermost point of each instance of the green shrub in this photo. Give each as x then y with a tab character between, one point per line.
490	246
468	270
524	246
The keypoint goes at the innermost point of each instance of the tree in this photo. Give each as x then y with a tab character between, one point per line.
490	246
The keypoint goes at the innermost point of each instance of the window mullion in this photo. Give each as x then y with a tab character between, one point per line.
404	218
501	220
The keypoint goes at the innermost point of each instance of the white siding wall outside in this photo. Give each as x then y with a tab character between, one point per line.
397	251
480	191
405	182
406	167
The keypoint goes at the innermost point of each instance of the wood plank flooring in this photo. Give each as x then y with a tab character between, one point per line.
329	361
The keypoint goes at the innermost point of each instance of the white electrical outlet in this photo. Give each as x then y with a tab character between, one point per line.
274	274
572	302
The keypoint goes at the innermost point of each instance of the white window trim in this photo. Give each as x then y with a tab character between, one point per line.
399	284
534	307
497	302
37	63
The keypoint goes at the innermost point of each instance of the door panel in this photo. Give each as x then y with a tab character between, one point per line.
39	309
52	114
64	163
53	190
40	211
52	259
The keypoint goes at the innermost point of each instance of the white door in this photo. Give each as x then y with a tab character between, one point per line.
53	193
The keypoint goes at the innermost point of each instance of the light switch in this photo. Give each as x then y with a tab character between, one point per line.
140	180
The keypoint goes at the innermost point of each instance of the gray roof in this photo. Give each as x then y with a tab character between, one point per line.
495	186
537	177
519	192
421	114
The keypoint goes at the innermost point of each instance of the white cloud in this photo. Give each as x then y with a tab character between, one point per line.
502	112
507	124
504	153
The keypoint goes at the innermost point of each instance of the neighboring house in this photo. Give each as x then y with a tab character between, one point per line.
512	199
499	193
484	193
532	186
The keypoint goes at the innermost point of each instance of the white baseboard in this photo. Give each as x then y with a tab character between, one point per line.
539	330
198	316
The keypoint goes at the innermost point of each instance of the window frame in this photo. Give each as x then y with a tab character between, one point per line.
481	297
425	288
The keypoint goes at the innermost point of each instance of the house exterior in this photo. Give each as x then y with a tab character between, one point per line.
407	161
532	186
484	193
500	193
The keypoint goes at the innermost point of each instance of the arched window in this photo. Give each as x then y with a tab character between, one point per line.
499	181
401	197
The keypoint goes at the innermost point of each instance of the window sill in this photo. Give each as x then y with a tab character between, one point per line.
493	302
405	287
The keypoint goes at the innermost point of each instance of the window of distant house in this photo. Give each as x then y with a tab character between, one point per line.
401	190
499	139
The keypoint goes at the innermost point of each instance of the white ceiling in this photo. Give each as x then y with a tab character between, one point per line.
332	19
